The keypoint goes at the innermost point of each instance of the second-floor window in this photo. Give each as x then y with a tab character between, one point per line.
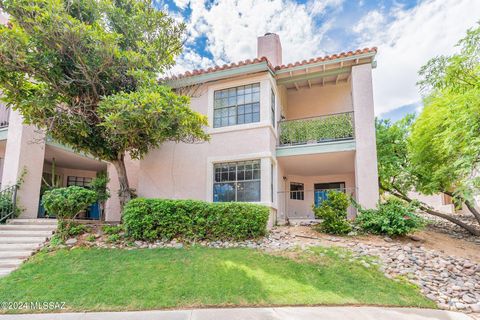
237	105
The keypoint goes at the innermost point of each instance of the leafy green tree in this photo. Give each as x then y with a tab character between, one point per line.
439	151
86	71
445	138
397	175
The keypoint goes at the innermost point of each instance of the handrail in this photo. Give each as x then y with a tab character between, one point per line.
8	203
318	129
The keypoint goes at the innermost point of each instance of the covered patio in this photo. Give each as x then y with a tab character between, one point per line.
306	180
63	168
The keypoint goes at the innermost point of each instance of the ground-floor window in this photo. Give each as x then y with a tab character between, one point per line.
237	181
78	181
297	191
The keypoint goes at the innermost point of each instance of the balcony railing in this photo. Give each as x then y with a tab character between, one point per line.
334	127
4	115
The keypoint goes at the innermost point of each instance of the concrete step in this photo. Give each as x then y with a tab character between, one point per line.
23	233
32	221
5	271
20	254
10	263
29	240
28	227
19	246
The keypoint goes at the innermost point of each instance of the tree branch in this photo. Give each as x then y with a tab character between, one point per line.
472	230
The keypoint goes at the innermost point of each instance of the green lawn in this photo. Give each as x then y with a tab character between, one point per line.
112	279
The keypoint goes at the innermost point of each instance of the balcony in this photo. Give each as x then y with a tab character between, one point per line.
314	130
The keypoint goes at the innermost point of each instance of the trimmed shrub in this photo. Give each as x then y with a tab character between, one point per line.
151	219
333	213
68	229
65	203
108	229
392	217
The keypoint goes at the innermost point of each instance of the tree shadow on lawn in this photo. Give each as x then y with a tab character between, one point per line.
105	279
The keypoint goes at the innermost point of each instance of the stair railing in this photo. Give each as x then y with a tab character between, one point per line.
8	203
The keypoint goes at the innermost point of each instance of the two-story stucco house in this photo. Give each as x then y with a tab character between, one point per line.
281	135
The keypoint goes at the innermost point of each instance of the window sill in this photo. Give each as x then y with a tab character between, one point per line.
238	127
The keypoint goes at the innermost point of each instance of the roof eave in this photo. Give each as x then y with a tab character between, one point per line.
220	74
328	62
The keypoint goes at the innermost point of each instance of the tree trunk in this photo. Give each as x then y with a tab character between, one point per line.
473	210
124	192
425	208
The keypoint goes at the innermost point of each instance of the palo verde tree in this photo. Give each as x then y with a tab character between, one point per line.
445	140
86	72
439	152
397	174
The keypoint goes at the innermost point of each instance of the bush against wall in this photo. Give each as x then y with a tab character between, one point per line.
151	219
392	217
66	203
333	213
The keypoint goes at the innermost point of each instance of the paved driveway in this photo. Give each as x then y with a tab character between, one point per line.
283	313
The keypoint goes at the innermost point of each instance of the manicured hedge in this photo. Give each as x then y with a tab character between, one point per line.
152	219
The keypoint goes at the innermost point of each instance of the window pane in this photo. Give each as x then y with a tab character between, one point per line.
248	191
223	192
256	97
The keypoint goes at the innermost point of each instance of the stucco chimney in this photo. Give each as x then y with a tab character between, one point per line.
269	46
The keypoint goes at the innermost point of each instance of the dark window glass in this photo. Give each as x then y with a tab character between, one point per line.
78	181
237	181
237	105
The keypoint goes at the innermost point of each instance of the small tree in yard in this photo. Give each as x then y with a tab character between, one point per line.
85	71
439	151
397	175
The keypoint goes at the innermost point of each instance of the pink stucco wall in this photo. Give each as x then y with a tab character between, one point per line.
366	174
25	151
317	101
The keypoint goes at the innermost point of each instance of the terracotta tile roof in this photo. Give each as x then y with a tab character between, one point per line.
264	59
326	58
224	67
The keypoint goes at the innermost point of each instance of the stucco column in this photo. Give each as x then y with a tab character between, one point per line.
366	172
113	212
25	152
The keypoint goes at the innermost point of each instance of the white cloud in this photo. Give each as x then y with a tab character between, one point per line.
406	38
371	22
409	40
232	27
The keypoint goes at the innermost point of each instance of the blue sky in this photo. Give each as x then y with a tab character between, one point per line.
407	33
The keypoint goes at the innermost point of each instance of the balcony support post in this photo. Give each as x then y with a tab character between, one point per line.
366	172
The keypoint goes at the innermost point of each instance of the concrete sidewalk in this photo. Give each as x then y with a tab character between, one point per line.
283	313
